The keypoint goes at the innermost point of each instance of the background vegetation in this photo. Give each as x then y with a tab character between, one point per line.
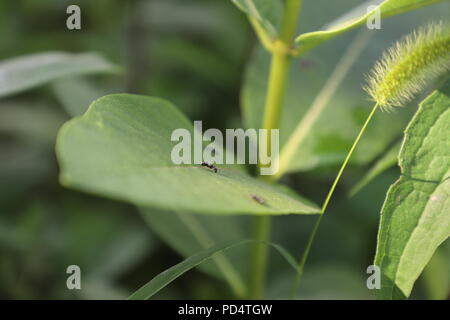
195	54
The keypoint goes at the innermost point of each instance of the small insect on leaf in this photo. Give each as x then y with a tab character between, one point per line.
409	65
259	199
210	166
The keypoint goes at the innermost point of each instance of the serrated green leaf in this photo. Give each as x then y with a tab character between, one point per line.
166	277
121	148
267	12
357	17
415	218
26	72
388	160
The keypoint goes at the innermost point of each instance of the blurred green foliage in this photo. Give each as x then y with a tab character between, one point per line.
193	53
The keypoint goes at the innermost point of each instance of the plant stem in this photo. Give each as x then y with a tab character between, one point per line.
259	257
312	236
344	164
277	81
280	66
304	257
291	13
276	90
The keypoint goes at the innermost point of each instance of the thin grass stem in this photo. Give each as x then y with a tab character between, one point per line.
312	236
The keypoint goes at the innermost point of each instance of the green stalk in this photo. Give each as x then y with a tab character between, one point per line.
279	71
344	164
259	255
312	236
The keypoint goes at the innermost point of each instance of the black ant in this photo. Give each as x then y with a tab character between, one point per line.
210	166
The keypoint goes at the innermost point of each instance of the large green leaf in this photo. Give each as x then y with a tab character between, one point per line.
26	72
357	17
415	218
121	148
166	277
267	12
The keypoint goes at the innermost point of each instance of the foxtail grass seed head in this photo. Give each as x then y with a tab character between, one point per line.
409	65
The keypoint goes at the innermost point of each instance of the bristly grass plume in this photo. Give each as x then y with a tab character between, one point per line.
409	65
